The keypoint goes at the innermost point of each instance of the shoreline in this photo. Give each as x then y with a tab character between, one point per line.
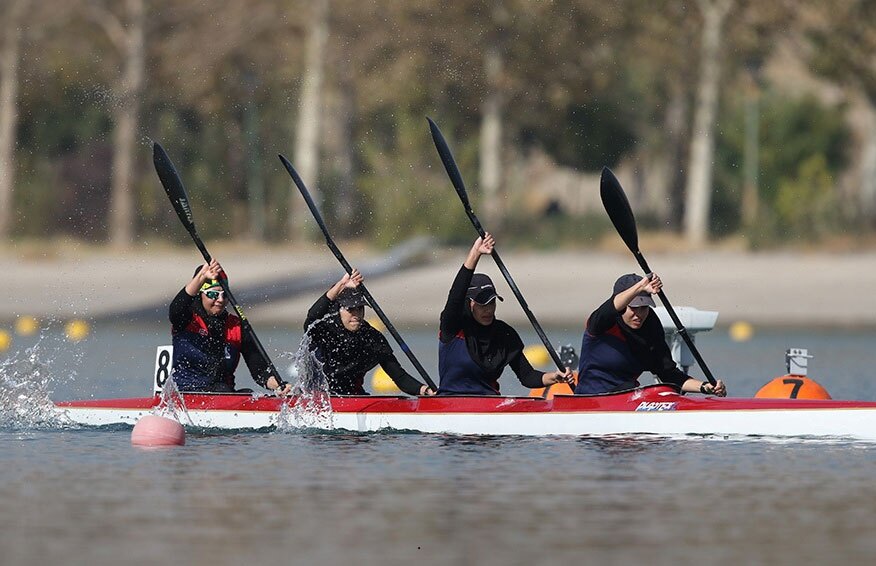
785	289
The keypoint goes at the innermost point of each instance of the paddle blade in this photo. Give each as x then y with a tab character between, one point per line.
449	162
618	208
173	186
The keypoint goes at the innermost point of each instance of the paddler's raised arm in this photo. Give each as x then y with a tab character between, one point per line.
324	304
452	316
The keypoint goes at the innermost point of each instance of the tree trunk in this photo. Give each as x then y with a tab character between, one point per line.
491	139
345	205
255	183
122	204
676	123
9	59
868	169
699	182
307	142
751	156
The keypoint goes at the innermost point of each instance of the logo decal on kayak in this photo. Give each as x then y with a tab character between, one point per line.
656	406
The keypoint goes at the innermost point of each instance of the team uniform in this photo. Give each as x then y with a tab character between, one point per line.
471	356
613	355
347	355
207	348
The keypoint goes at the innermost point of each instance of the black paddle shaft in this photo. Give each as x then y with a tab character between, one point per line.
621	214
456	179
349	269
176	192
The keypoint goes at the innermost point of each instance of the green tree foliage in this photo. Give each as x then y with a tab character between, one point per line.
589	83
802	144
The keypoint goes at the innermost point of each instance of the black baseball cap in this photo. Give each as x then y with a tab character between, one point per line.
351	298
481	290
624	282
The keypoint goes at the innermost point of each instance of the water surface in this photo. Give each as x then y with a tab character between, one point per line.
86	496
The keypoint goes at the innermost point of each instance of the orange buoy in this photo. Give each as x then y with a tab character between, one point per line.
153	430
558	389
792	387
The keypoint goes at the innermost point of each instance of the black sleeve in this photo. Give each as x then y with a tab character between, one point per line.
526	374
180	311
257	365
602	318
452	317
390	365
403	379
320	308
663	366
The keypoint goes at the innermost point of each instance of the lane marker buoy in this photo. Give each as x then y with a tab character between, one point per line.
152	430
741	331
26	325
382	383
77	330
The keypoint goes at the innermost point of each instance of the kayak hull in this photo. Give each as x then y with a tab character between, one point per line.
655	409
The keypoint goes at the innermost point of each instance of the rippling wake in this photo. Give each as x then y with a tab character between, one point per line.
310	405
26	379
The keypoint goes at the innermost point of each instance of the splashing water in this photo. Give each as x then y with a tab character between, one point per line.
25	385
171	404
310	404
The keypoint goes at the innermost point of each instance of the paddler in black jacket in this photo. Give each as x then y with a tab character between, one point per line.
623	338
208	341
348	346
474	347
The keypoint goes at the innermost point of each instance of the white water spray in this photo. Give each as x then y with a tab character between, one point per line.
171	404
25	385
310	404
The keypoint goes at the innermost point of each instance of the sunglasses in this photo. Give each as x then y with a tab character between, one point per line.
213	295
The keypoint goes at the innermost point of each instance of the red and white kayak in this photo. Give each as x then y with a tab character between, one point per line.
653	409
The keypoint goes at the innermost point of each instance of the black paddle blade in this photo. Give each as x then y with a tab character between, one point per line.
449	162
173	186
618	208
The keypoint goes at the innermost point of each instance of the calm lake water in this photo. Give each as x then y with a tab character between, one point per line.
86	496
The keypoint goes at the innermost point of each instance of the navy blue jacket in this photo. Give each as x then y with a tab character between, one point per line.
613	355
471	357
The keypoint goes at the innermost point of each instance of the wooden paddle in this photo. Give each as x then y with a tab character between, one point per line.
176	192
349	269
456	179
618	208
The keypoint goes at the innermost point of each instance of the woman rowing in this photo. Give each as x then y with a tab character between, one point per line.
348	346
623	338
208	341
474	347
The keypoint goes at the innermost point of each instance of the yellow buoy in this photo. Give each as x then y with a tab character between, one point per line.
5	340
26	325
792	387
537	355
382	383
376	323
77	330
741	331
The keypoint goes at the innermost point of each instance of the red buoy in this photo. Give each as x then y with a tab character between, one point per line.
153	430
793	387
